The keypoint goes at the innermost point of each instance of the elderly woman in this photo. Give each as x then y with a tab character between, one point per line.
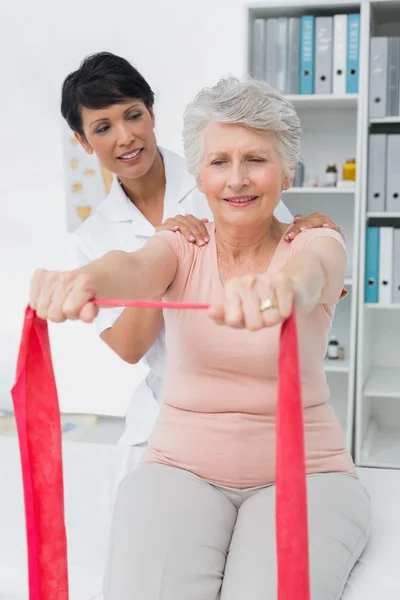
196	520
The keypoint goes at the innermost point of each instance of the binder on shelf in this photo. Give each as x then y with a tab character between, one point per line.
307	43
339	76
393	76
396	267
353	52
258	49
281	51
376	172
371	289
393	173
385	265
378	69
323	54
293	68
271	63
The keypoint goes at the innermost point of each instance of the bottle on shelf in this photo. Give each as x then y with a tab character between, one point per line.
299	175
333	351
349	170
331	175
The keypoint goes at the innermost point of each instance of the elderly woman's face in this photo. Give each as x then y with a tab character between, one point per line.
241	174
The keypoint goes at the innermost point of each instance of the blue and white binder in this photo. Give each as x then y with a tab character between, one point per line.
353	53
371	289
307	54
386	265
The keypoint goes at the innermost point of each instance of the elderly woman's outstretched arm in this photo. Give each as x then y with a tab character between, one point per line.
144	274
313	275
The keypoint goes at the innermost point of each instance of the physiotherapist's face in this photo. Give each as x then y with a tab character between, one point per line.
122	137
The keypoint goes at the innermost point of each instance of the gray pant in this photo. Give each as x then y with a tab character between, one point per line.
178	537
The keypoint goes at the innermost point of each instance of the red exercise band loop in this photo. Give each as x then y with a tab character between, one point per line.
39	432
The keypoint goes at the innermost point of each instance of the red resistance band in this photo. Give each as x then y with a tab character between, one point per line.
39	431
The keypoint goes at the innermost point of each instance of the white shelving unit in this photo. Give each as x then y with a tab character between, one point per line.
377	425
331	126
365	387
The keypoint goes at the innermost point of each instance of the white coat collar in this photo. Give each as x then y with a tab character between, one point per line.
179	183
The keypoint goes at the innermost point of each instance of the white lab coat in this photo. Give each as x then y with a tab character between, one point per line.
119	225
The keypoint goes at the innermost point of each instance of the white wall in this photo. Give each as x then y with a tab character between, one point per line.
179	46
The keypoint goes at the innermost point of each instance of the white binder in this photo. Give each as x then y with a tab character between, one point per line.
393	173
396	267
323	55
378	74
281	51
377	146
386	247
339	54
271	60
258	45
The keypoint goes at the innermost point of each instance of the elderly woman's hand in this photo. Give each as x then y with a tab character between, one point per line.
58	296
256	301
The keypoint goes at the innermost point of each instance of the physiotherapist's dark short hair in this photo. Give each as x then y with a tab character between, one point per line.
103	79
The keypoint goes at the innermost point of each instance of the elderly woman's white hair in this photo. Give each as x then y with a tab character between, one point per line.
251	103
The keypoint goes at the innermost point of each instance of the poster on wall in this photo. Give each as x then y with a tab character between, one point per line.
87	183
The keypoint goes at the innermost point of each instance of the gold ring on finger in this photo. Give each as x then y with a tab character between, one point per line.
267	304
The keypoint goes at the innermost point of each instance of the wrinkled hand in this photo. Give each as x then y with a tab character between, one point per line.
58	296
244	295
189	226
316	219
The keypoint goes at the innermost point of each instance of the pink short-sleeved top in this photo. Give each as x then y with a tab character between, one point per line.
218	410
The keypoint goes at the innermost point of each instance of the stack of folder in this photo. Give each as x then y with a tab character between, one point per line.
382	265
308	55
384	77
384	173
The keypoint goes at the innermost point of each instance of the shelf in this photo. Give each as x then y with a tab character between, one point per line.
288	8
383	382
323	101
381	447
384	120
336	366
383	215
326	191
380	306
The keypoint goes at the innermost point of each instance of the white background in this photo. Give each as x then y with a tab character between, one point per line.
179	46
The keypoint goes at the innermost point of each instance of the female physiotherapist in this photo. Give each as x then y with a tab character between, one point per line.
109	106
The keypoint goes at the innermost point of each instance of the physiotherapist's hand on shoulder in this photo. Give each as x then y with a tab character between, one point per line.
58	296
312	221
193	229
255	301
